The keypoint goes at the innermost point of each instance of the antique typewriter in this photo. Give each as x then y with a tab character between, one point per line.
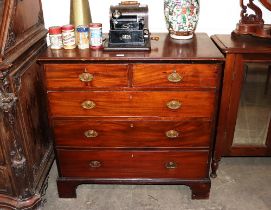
128	27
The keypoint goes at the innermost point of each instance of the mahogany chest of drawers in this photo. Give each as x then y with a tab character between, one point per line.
134	117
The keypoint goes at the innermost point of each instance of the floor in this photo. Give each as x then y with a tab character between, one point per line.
242	184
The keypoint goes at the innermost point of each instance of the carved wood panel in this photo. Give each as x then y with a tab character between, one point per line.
1	11
12	140
1	156
25	152
11	36
23	127
32	104
4	181
24	21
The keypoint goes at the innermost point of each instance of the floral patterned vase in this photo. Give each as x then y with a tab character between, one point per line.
181	17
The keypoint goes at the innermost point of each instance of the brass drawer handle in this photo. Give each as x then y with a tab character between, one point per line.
172	134
91	134
95	164
171	165
86	77
174	77
88	105
174	104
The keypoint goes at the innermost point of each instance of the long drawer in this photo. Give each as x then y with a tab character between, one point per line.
83	133
133	164
133	103
175	75
84	77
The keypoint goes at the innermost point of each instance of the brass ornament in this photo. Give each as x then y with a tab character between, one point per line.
172	134
174	104
171	165
95	164
91	133
174	77
88	105
86	77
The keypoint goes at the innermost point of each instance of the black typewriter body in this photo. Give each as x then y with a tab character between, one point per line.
128	27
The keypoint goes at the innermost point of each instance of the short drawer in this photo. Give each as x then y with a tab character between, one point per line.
133	164
176	75
79	76
136	134
134	103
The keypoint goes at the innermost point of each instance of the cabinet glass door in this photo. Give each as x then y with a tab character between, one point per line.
254	111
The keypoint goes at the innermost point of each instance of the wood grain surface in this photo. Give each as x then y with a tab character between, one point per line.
124	104
133	164
192	75
131	134
66	76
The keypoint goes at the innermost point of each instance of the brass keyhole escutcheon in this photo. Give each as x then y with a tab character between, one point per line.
86	77
95	164
174	104
91	134
88	104
172	134
174	77
171	165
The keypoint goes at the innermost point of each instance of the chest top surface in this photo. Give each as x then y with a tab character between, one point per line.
200	48
242	44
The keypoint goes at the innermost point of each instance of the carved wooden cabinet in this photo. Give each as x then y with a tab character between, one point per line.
26	152
134	117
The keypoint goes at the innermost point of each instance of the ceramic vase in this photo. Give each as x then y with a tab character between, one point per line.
181	17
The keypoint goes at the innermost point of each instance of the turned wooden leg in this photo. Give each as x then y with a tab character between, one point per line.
214	167
66	189
200	190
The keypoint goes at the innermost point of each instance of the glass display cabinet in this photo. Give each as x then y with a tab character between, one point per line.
244	127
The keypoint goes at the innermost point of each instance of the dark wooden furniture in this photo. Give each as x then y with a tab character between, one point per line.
253	24
244	89
134	117
26	152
